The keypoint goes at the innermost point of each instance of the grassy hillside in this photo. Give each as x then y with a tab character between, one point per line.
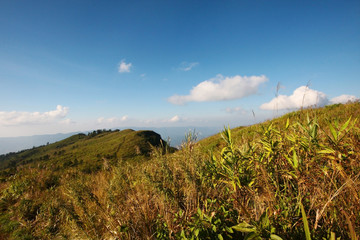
295	177
90	150
325	115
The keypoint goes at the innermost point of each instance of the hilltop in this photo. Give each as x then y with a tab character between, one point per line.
173	135
87	152
293	177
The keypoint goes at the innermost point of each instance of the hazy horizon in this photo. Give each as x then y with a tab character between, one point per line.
175	134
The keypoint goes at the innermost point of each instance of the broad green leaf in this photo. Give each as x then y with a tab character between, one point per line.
196	233
199	212
229	230
287	124
182	235
295	160
265	222
253	235
345	125
333	132
326	151
275	237
244	227
332	236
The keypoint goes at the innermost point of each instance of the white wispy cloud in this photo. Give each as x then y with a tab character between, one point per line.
112	120
221	88
186	66
67	121
304	97
100	120
124	67
343	99
22	118
236	110
175	118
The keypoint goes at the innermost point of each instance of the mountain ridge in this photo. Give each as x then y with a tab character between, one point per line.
174	134
125	144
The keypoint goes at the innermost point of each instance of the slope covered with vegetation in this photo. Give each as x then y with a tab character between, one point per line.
295	177
91	149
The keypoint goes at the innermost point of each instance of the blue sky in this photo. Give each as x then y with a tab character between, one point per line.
81	65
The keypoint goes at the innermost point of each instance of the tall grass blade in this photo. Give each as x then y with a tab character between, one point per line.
351	227
332	236
345	125
305	221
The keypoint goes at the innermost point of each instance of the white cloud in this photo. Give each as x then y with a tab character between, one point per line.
112	120
100	120
67	121
60	112
221	88
175	118
343	99
301	97
236	110
185	66
305	97
19	118
124	67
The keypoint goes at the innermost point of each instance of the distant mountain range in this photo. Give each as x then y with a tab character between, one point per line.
176	135
14	144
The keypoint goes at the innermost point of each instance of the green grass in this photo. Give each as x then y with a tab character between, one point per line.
88	149
294	177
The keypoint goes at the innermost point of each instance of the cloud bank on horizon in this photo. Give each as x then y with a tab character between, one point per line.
221	88
20	118
304	97
218	89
